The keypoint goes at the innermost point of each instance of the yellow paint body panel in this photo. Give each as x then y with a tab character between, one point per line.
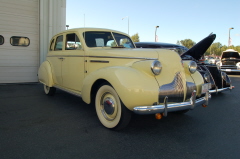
128	70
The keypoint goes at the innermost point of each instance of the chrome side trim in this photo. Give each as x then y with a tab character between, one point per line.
99	61
66	56
173	107
144	58
65	90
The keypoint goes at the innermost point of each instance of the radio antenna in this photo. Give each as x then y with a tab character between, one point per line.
84	26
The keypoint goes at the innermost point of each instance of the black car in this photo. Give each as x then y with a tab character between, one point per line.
219	80
156	45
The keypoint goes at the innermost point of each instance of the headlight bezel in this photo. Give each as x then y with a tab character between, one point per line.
192	66
156	67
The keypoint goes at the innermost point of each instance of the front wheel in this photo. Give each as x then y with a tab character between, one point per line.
110	110
49	90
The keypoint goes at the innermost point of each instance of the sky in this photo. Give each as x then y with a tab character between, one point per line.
177	19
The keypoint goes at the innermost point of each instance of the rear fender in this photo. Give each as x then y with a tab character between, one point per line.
45	74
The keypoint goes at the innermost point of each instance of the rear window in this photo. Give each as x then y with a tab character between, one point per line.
59	43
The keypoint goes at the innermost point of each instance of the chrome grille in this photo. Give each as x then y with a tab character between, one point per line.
190	88
228	67
174	90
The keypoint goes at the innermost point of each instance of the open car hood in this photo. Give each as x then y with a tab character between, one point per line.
200	48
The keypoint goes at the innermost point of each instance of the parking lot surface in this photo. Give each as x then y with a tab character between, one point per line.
33	125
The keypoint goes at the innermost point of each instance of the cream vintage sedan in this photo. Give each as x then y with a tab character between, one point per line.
104	67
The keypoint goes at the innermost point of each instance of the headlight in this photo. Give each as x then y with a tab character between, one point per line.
238	65
224	76
192	66
156	67
207	77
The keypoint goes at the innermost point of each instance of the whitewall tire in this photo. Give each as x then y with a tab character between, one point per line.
110	110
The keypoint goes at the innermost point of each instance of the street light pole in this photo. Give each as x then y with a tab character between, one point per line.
156	33
229	38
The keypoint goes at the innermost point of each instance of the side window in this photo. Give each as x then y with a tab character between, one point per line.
19	41
59	43
51	45
72	42
1	39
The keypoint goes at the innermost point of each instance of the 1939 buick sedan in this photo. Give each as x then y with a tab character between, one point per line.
104	67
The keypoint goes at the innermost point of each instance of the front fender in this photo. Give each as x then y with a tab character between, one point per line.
195	77
133	86
199	81
45	74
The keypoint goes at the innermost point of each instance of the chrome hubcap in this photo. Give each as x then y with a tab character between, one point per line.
109	106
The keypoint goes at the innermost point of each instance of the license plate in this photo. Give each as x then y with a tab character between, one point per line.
228	70
205	87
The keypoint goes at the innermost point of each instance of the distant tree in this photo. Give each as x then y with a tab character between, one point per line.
215	49
237	48
187	43
135	38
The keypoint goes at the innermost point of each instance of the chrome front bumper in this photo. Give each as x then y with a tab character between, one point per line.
221	89
165	108
230	70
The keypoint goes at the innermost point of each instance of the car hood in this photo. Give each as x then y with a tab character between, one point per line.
200	48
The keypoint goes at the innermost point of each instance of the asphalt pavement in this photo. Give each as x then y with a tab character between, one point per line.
33	125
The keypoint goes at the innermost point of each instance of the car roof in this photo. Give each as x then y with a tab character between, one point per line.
230	50
91	29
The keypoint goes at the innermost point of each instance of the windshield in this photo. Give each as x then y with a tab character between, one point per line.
230	54
106	39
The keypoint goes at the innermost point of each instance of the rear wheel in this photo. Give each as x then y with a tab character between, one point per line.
49	90
110	110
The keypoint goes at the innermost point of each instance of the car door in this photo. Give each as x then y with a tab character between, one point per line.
73	62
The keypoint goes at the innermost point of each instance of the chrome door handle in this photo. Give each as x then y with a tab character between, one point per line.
61	58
